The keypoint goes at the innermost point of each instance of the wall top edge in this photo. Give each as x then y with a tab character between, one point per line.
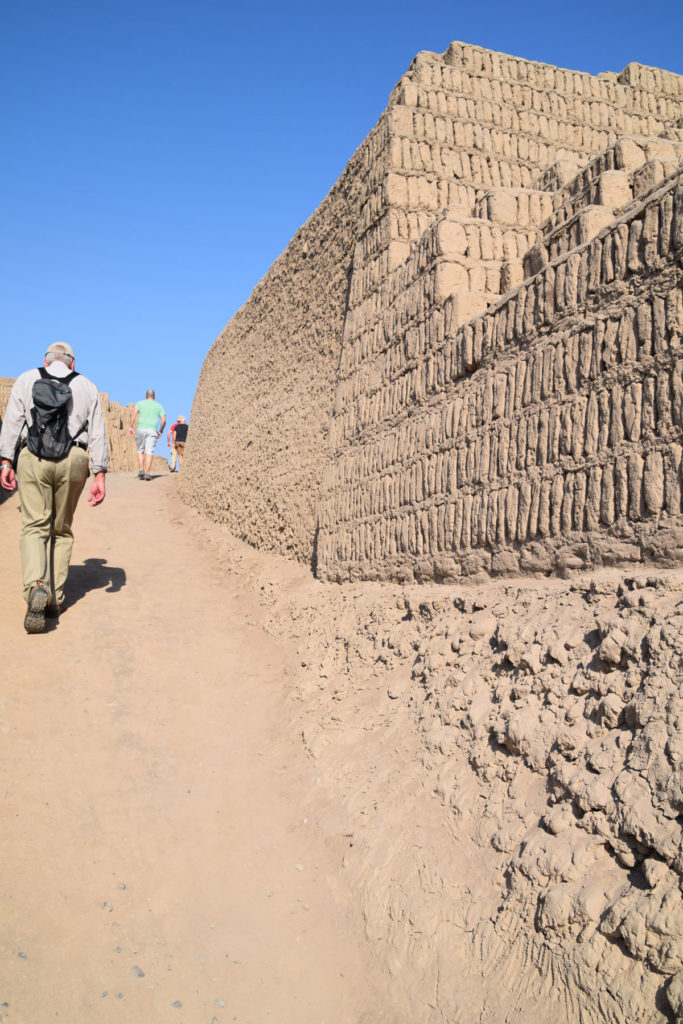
457	52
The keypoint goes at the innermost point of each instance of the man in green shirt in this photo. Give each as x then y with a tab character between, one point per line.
150	426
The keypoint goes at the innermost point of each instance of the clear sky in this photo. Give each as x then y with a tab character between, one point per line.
158	156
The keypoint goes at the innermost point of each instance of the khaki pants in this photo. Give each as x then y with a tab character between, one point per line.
48	492
177	450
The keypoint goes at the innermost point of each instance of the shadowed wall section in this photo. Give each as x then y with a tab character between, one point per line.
260	418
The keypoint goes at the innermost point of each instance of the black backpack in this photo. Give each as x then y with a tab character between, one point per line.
48	434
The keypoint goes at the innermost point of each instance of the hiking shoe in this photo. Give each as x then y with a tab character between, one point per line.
147	476
141	474
53	611
34	622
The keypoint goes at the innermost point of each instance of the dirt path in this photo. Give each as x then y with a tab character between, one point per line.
157	860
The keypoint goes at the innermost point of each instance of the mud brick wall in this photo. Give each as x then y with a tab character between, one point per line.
443	209
544	435
5	388
261	411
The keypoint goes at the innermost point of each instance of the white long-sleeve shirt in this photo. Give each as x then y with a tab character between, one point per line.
86	419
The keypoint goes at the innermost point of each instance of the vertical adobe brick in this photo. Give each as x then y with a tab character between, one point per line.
548	363
544	510
660	339
663	403
520	442
511	511
598	360
666	212
578	426
653	482
528	379
510	389
607	495
617	420
627	337
579	506
524	509
607	266
467	521
501	497
677	223
674	315
566	520
585	356
462	466
520	303
535	507
633	261
633	400
649	236
541	455
503	448
549	292
591	434
556	496
648	408
583	276
520	378
672	480
619	251
594	265
492	519
635	486
481	521
644	330
677	393
571	361
621	491
593	498
609	343
512	450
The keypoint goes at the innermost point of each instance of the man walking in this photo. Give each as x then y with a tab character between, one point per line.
53	416
151	420
177	436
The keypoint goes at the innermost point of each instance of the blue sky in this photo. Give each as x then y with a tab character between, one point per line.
157	157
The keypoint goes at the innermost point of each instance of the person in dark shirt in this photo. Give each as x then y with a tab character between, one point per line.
177	436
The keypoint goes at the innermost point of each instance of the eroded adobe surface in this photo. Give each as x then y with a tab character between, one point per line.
544	720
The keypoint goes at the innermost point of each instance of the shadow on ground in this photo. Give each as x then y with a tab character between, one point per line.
5	495
94	574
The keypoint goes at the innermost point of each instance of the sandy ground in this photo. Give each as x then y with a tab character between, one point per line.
159	861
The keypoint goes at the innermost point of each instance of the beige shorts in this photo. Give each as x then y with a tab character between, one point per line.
146	440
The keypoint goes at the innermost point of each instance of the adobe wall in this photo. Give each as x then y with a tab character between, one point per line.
260	417
544	435
337	420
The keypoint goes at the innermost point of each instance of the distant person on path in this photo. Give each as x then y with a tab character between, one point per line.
177	436
53	416
151	422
